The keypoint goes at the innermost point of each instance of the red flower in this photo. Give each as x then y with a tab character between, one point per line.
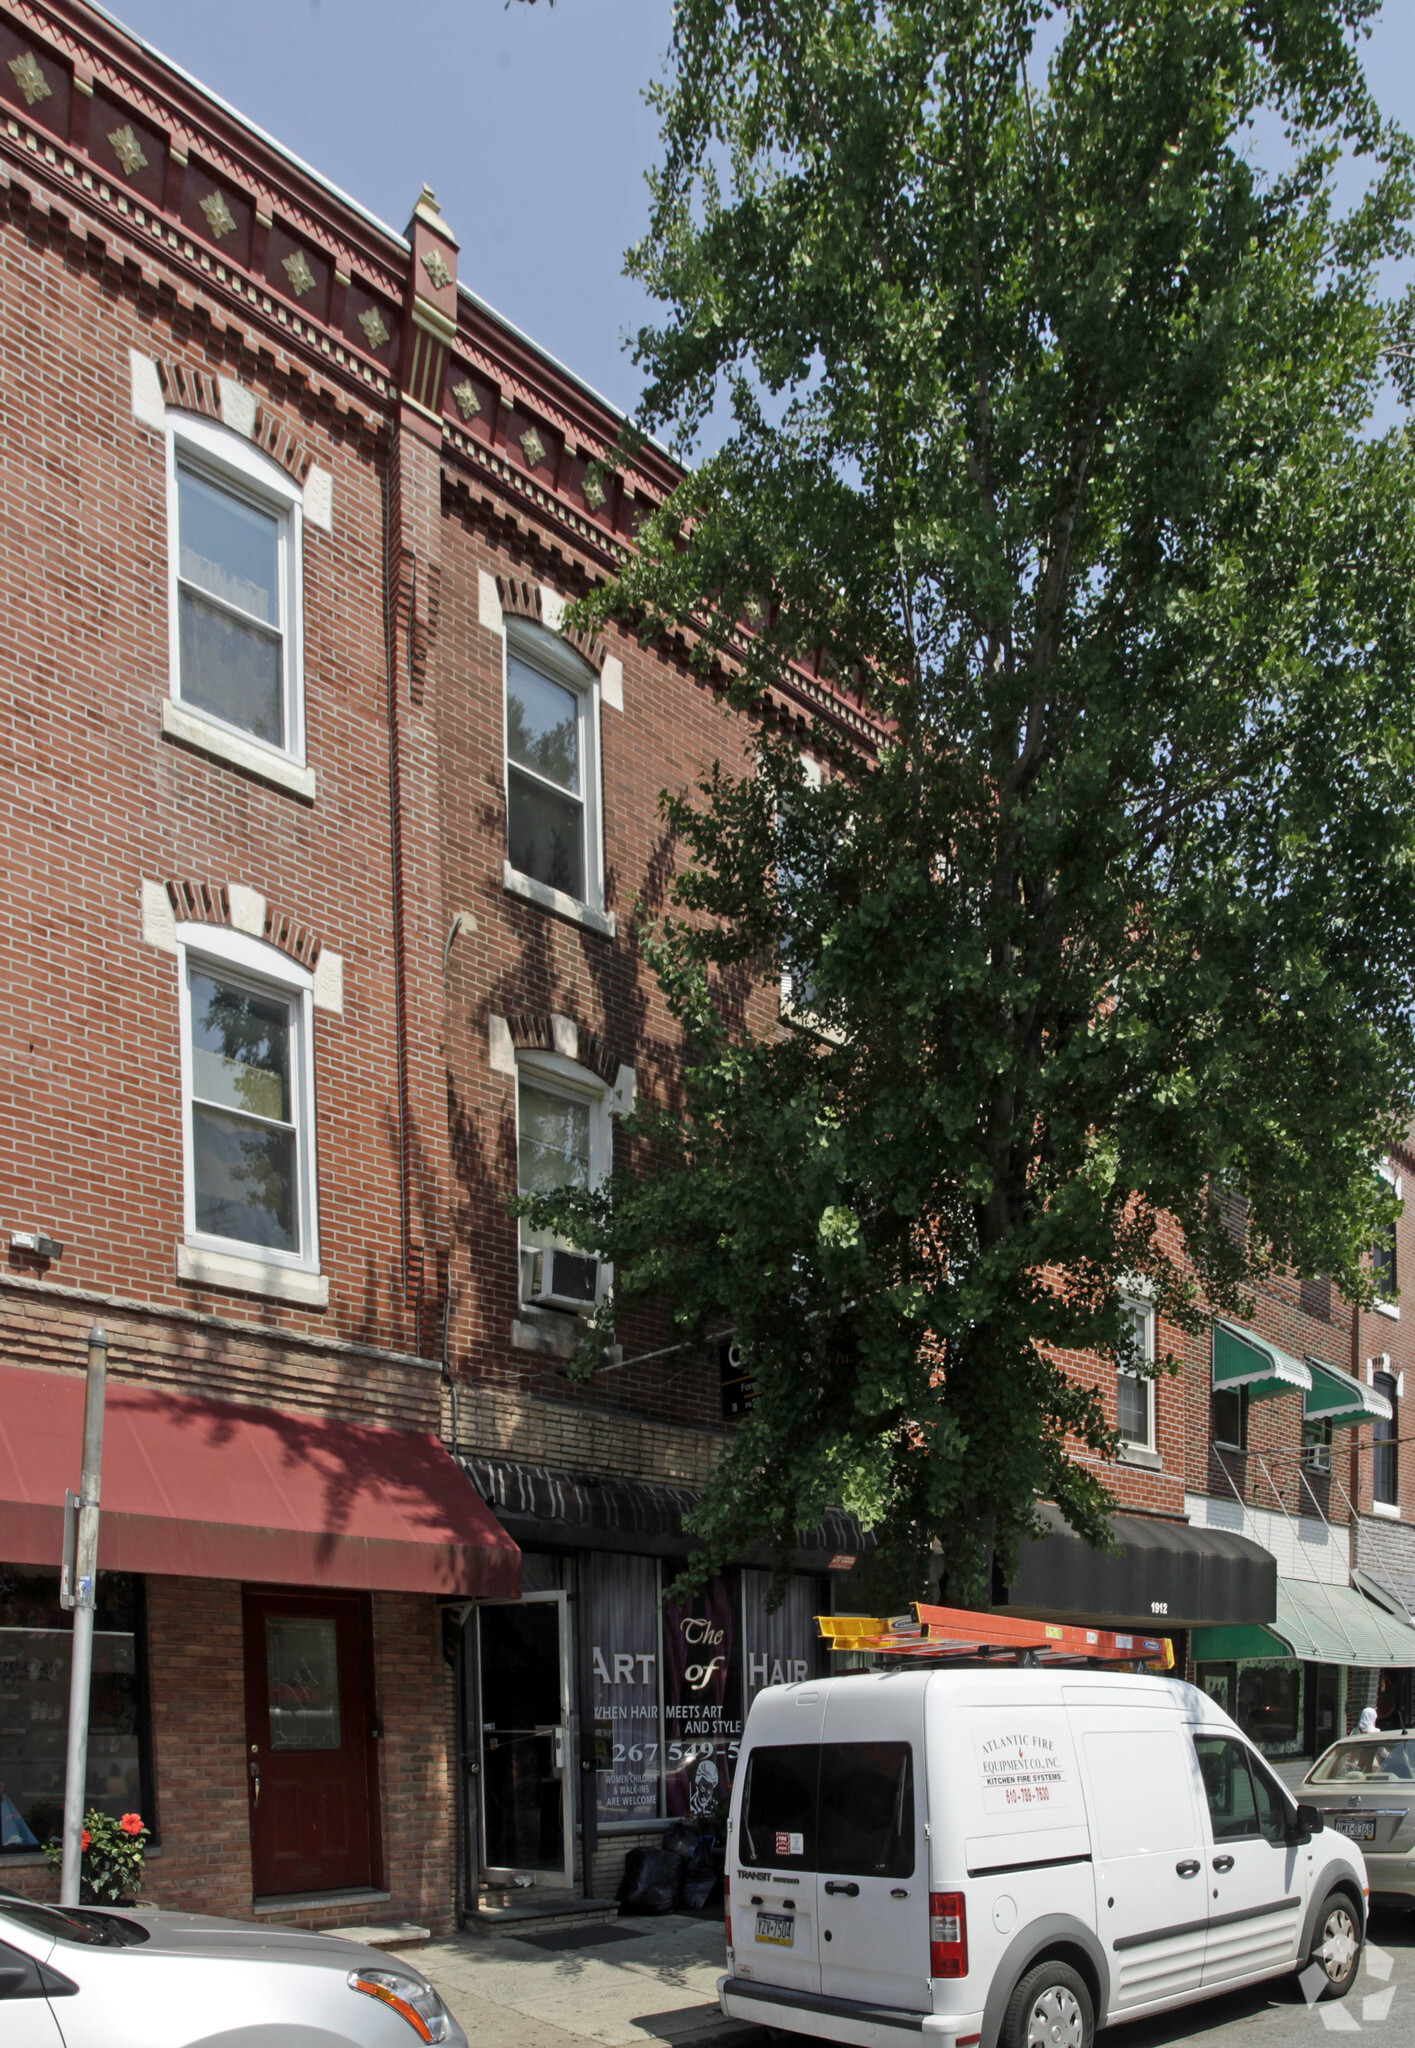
131	1824
87	1838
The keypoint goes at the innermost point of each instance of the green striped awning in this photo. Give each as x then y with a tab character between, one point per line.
1319	1624
1339	1398
1243	1360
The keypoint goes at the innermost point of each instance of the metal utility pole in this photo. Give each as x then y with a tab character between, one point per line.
79	1594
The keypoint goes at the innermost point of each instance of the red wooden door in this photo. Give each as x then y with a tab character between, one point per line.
309	1751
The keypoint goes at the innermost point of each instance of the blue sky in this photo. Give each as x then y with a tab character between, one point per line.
528	122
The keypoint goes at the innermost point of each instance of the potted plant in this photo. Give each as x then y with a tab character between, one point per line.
111	1872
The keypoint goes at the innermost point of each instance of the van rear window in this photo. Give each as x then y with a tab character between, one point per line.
845	1808
779	1806
867	1809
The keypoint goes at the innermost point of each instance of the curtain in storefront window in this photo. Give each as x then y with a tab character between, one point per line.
622	1618
780	1648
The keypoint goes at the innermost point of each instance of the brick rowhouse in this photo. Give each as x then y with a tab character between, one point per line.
362	889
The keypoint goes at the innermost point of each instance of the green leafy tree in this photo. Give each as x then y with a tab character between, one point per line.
1050	442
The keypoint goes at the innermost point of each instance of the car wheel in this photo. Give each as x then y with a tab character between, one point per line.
1336	1948
1050	2008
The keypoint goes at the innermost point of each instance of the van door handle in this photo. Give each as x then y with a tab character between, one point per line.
1190	1868
852	1891
1223	1863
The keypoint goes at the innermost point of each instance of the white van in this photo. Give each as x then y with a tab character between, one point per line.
1001	1858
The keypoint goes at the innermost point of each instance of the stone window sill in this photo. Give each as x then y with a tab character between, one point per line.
1136	1454
1386	1508
517	884
232	1275
1387	1308
189	729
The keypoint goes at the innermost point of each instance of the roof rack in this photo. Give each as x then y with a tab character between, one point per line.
945	1633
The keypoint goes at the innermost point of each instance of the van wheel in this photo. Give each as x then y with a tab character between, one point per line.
1336	1950
1050	2008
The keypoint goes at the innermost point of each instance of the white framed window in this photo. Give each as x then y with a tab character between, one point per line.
553	840
234	573
247	1099
1135	1391
564	1138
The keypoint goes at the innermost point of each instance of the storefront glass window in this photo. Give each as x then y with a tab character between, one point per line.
35	1638
780	1648
622	1617
1270	1705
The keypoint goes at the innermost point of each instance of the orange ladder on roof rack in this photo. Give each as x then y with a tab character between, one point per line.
935	1632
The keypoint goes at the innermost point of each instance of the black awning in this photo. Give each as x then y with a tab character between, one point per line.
547	1507
1160	1575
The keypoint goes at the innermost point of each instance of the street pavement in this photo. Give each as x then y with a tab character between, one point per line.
654	1981
657	1986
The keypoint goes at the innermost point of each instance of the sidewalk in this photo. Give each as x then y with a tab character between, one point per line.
628	1984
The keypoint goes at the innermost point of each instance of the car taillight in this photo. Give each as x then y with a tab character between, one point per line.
948	1935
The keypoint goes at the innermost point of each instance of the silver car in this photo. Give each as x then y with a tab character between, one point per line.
91	1977
1365	1789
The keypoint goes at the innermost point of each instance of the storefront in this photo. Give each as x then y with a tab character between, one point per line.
268	1650
601	1710
1297	1684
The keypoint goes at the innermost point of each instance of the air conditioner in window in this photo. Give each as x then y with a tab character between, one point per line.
563	1279
1317	1457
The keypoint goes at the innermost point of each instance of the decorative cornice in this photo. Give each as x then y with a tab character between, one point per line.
222	225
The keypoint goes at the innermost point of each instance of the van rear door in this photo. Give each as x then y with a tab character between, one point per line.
872	1885
774	1871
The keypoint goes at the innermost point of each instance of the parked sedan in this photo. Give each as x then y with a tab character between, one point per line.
1365	1787
90	1977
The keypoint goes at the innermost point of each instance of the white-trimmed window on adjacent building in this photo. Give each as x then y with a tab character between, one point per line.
248	1100
552	767
1385	1450
563	1140
234	521
1134	1381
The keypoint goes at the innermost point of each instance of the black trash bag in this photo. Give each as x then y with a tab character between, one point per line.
700	1879
680	1840
650	1881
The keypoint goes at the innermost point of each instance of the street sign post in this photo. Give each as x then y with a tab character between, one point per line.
81	1577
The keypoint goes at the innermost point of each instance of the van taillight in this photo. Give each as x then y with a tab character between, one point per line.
727	1905
948	1935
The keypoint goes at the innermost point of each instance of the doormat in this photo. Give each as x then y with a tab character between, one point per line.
579	1937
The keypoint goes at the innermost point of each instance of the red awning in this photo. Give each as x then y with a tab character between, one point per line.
218	1490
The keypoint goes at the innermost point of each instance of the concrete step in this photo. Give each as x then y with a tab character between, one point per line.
538	1910
392	1934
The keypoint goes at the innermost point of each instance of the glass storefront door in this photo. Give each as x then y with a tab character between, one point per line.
523	1669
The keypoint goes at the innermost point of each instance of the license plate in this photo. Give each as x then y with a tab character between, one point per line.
1358	1830
777	1928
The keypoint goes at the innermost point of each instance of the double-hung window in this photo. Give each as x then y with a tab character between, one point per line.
552	766
1385	1458
249	1095
235	539
1134	1385
563	1141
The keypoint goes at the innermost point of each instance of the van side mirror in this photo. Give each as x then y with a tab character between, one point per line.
1306	1822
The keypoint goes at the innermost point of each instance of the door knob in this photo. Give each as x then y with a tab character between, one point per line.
255	1780
1189	1868
1223	1863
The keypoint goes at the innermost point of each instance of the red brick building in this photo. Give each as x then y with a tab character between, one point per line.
323	842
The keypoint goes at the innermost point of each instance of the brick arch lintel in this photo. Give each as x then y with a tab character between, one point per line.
534	1031
195	390
198	902
522	599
